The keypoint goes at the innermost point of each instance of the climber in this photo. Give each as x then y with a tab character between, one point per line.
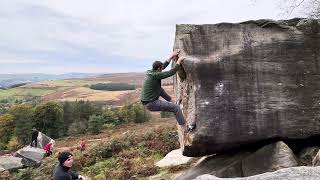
152	90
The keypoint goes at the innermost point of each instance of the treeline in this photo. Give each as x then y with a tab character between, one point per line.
113	86
63	119
16	85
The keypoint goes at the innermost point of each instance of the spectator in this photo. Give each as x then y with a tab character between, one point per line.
62	171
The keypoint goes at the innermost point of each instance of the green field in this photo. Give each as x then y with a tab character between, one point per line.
44	88
73	89
22	93
64	83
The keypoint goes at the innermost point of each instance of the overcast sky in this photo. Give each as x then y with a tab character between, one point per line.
56	36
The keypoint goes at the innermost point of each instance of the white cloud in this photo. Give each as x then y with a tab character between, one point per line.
140	29
22	61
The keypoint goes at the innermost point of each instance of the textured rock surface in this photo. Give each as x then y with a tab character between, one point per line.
31	156
225	165
10	163
43	140
173	158
316	159
306	155
248	82
294	173
269	158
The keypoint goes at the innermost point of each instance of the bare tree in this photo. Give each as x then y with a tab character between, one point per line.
315	12
310	8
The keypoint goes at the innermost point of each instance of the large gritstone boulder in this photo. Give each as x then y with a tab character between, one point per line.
222	165
31	156
248	82
270	158
293	173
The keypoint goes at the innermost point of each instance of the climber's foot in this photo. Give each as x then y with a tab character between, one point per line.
191	127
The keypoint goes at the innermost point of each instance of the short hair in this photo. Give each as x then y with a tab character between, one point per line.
156	65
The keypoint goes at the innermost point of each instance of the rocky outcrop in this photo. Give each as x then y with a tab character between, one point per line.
10	163
31	156
173	158
269	158
244	163
224	165
27	156
248	82
306	155
294	173
43	140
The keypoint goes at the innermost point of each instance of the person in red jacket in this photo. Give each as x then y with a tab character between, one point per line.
82	145
47	148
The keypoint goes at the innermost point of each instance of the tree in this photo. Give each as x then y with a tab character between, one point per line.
68	115
95	124
6	129
48	118
110	116
83	110
310	8
23	122
140	115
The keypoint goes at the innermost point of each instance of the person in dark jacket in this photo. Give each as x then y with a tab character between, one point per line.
34	137
152	90
62	171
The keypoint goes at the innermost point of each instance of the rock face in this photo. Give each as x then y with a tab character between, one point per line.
31	156
224	165
316	159
43	140
248	82
269	158
10	163
294	173
174	158
307	154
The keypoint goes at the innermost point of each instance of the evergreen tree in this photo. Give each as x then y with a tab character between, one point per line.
83	110
68	116
6	129
48	118
23	121
95	124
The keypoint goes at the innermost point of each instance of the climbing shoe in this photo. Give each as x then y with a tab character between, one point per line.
191	127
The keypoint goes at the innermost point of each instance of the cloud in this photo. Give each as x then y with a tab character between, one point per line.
21	61
102	32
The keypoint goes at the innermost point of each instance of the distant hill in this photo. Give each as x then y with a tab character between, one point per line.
73	89
7	80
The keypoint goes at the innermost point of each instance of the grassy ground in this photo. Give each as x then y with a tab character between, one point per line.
122	152
66	83
22	93
84	93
